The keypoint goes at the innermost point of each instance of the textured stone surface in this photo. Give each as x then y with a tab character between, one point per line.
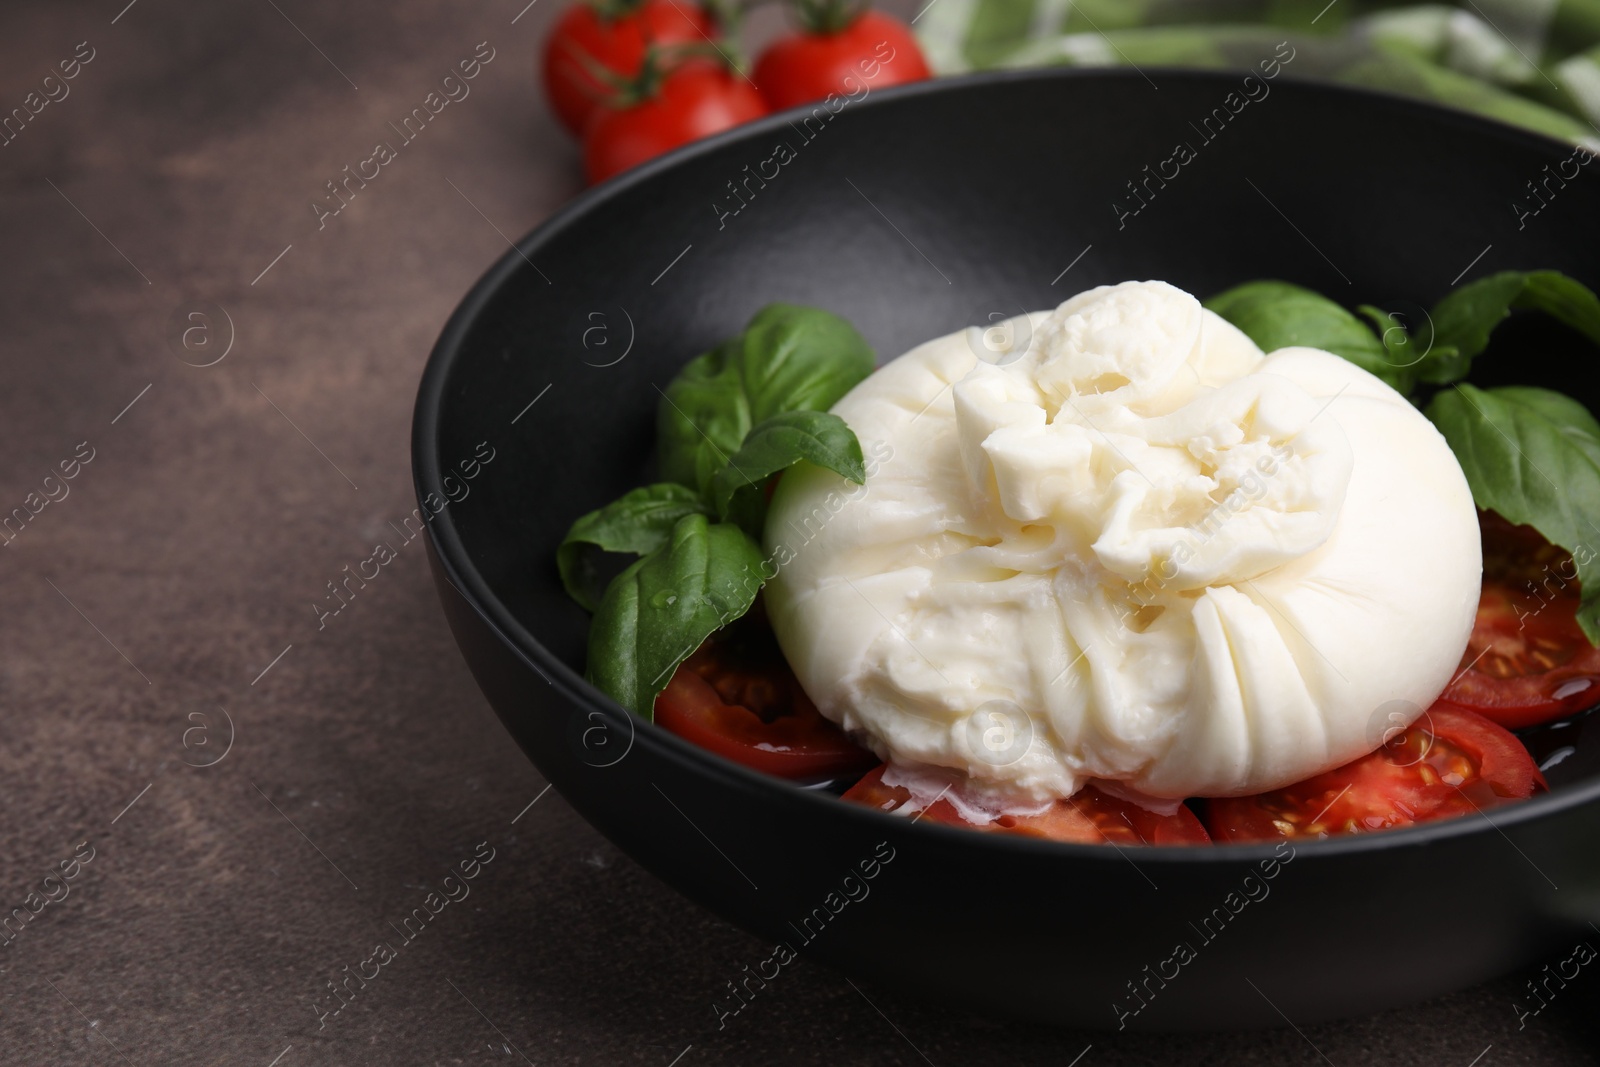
189	552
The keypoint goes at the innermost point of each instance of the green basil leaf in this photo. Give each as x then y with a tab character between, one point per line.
777	443
789	358
702	418
1463	320
660	609
1533	456
1574	421
1277	315
639	522
1407	352
1385	323
800	359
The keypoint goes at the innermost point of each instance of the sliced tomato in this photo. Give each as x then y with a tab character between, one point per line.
1088	817
737	697
1449	762
1528	661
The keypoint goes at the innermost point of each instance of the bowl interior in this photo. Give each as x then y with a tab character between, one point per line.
930	208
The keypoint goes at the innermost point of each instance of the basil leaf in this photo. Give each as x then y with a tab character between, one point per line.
800	359
1402	349
639	522
1574	421
777	443
702	418
1463	320
1533	456
1459	325
789	358
1277	315
660	609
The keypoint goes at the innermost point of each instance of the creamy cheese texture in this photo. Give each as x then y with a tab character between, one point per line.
1117	543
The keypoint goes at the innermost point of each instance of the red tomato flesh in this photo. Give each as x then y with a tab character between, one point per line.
1088	817
871	52
737	697
616	43
1449	762
1527	661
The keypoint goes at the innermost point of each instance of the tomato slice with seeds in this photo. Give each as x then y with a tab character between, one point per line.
1527	661
737	697
1449	762
1088	817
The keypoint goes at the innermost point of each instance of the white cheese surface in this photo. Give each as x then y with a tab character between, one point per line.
1126	547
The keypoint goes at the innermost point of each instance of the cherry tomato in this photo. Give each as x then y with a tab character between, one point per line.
694	101
1449	762
737	697
1527	661
1088	817
870	52
612	35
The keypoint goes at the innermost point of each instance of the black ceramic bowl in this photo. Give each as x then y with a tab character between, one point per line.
913	213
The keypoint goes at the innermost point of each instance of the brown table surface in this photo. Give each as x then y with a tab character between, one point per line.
176	574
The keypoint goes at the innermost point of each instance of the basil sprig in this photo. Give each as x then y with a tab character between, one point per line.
663	606
1532	455
1461	322
1279	315
776	444
638	522
733	418
789	358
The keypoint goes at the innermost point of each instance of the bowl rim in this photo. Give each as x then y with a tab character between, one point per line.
456	567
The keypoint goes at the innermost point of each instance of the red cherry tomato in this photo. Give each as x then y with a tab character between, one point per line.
1088	817
1449	762
737	697
872	51
694	101
613	36
1527	661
